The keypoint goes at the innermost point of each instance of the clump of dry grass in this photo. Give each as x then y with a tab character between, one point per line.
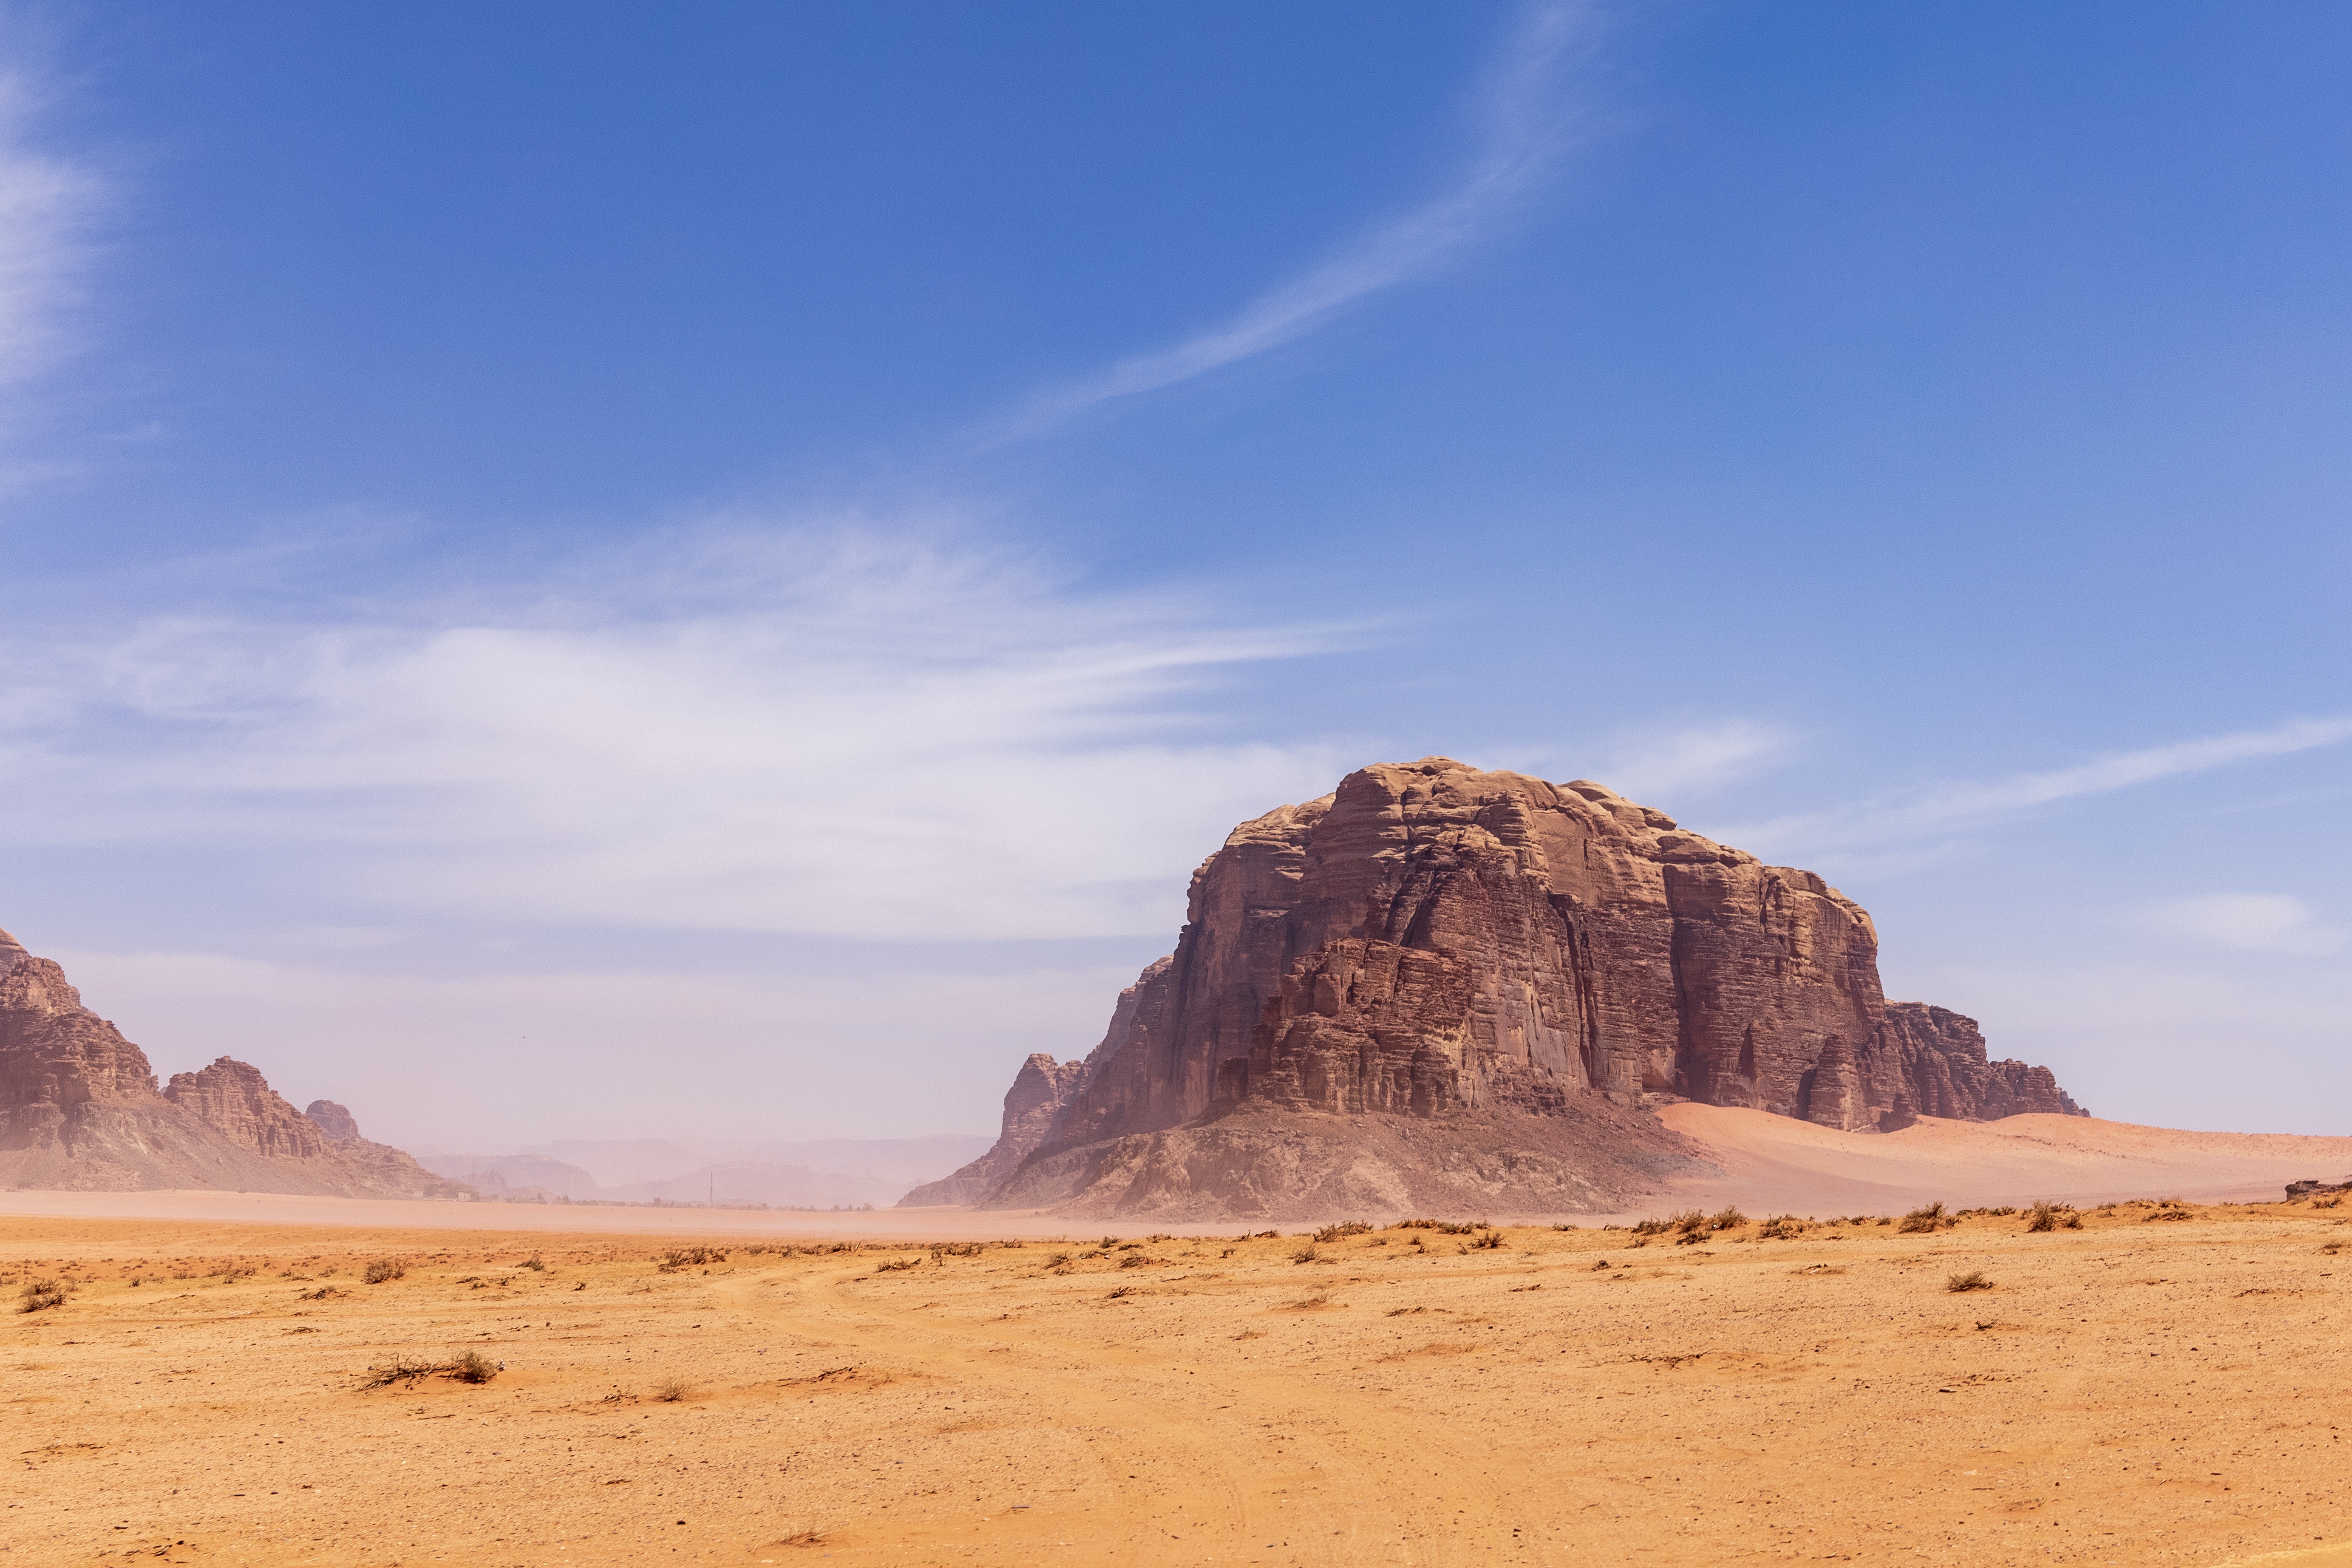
1931	1217
673	1390
1343	1229
806	1535
1305	1254
468	1366
1137	1260
2170	1208
381	1269
40	1295
534	1265
2047	1216
1123	1293
1780	1228
1487	1238
678	1258
895	1264
1972	1280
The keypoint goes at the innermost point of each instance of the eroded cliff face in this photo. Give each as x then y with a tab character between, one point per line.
1430	940
80	1110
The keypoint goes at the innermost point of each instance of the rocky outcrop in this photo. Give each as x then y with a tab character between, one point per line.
80	1110
1039	1091
337	1123
1931	1061
1432	942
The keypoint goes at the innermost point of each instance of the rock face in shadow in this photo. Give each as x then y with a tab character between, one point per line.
337	1123
1436	944
80	1110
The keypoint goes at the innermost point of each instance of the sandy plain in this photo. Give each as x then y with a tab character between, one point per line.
2141	1390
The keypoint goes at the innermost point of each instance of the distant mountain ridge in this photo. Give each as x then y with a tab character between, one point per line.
834	1172
80	1110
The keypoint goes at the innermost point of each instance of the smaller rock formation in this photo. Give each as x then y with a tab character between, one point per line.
80	1110
333	1121
2313	1187
1039	1091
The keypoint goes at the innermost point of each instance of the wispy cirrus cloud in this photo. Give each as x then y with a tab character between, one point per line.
784	733
2248	922
1526	121
1942	810
48	203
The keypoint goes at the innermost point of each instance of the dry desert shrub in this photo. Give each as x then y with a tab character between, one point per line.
1931	1218
673	1390
1654	1227
1107	1243
473	1366
806	1535
1305	1254
678	1258
2170	1208
40	1295
1729	1217
2047	1216
1487	1238
1123	1293
895	1264
534	1265
1972	1280
1780	1228
1343	1229
381	1269
399	1369
1137	1260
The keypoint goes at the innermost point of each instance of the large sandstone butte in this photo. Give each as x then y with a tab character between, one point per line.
80	1110
1442	986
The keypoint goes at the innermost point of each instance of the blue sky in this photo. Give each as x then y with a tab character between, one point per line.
716	571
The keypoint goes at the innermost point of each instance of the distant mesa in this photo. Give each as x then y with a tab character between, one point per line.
80	1110
1438	987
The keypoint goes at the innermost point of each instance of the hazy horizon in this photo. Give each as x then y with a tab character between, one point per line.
713	574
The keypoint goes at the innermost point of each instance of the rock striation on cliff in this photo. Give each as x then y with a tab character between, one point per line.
1487	951
80	1110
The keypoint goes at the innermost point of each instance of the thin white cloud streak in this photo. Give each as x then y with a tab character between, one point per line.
1697	759
1525	125
1952	808
47	204
2248	922
787	736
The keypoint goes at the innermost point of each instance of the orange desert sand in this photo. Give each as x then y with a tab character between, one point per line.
2166	1383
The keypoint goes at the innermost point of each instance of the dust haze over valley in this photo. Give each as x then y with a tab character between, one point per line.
1334	784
